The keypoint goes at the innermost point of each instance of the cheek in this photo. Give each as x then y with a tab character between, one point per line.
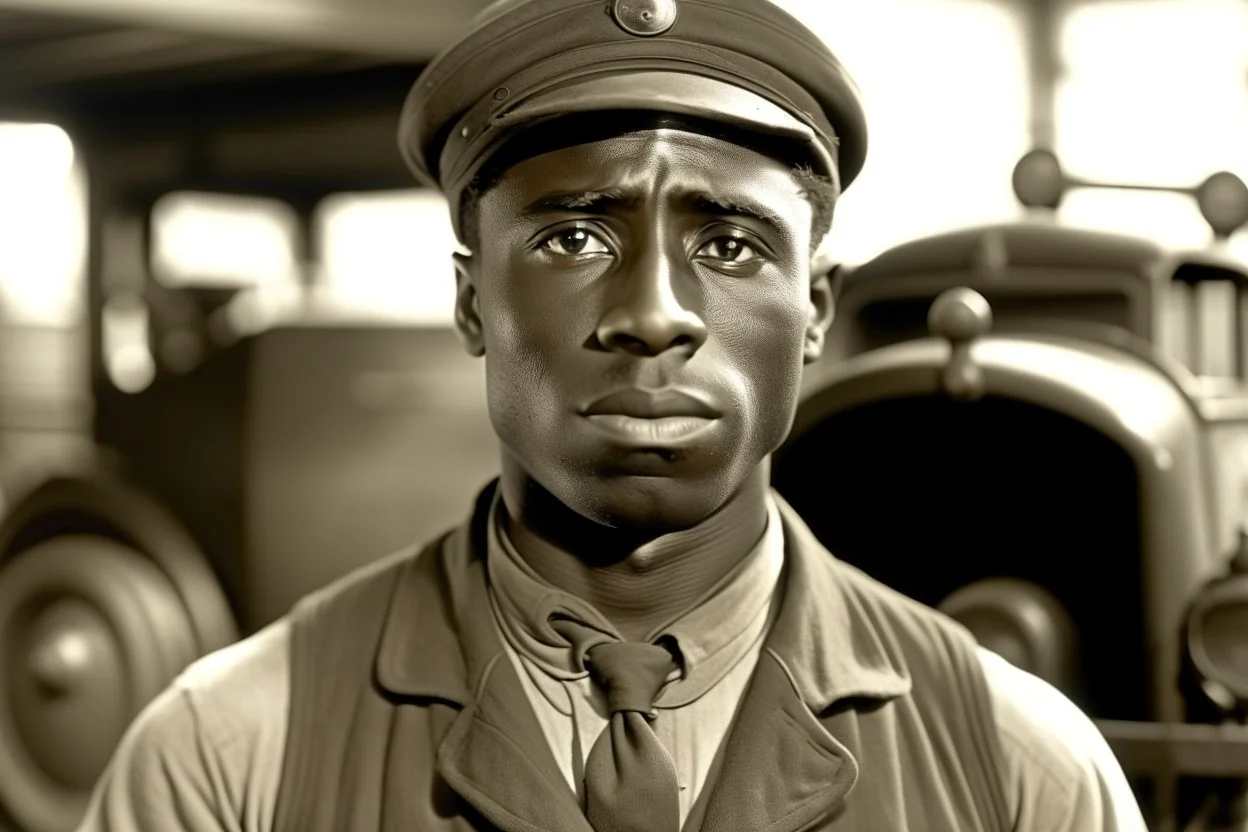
525	344
535	314
517	370
765	347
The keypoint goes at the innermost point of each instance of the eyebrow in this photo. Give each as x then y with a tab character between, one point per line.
593	202
602	202
735	206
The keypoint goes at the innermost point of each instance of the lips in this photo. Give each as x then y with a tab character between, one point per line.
643	404
640	419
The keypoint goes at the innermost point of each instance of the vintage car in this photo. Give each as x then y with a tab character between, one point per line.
259	459
1036	429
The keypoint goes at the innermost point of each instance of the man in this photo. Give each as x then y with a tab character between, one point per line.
631	631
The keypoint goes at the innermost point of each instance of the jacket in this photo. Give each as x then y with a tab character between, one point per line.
867	711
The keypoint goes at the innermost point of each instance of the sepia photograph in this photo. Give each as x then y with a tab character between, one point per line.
623	416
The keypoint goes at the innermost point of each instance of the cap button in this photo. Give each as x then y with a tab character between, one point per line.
644	18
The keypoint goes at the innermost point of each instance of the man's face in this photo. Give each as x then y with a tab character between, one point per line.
645	306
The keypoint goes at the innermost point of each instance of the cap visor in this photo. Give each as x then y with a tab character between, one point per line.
669	92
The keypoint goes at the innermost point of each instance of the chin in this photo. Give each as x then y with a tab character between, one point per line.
648	503
647	491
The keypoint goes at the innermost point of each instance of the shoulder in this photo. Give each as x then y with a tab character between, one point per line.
367	589
240	695
926	635
207	752
1061	774
882	599
240	691
234	697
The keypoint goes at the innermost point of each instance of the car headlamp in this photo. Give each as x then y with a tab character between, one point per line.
1217	635
1019	620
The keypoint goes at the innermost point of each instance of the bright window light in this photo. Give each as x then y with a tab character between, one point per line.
35	152
1168	219
388	255
1153	93
42	227
946	91
203	239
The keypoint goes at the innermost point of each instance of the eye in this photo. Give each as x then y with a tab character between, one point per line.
728	250
572	242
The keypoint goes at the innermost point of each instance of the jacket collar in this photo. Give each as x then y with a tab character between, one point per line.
439	637
825	634
440	642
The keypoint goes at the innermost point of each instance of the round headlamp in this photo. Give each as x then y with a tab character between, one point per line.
1217	640
1020	621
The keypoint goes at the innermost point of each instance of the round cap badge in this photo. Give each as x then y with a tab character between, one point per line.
644	18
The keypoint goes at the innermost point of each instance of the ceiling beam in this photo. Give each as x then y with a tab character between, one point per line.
405	30
119	52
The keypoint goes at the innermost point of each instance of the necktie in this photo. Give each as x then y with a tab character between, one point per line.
630	779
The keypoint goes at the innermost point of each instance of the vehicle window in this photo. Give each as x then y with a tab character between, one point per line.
225	240
1202	317
386	255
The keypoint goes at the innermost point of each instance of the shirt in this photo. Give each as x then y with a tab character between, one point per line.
719	639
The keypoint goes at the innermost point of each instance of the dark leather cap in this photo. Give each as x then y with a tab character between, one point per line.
745	63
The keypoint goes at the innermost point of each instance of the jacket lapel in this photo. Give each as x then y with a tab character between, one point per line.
497	758
440	643
781	770
784	768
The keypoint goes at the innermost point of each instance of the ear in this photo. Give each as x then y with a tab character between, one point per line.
822	310
468	306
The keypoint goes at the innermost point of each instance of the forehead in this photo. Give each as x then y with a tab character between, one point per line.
652	162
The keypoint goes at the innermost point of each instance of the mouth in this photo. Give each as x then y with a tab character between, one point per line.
663	417
660	404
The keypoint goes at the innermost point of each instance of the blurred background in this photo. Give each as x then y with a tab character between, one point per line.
225	343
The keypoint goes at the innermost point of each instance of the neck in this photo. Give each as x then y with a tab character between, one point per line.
639	581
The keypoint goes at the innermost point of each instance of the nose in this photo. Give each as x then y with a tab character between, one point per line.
646	317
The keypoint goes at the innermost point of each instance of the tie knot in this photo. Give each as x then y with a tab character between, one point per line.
630	673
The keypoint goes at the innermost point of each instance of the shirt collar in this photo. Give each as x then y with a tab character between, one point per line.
713	636
436	643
